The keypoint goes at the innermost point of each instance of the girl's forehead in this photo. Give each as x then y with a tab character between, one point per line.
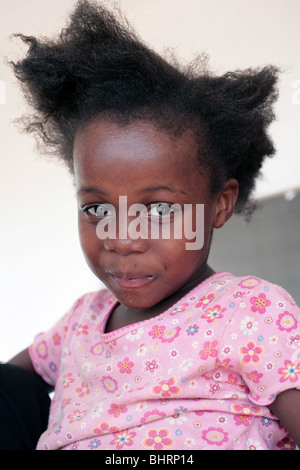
135	143
135	156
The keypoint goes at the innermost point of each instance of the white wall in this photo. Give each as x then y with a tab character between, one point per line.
42	269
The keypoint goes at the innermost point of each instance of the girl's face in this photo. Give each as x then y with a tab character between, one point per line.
149	167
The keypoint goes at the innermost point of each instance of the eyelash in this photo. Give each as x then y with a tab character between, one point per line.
88	215
94	217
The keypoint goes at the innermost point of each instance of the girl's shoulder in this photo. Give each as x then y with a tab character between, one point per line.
261	336
227	283
240	291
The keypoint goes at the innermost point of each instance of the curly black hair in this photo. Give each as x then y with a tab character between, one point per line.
99	67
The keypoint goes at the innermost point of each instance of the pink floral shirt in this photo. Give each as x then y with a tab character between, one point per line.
198	376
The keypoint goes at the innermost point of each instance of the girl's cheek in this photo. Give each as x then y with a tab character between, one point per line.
88	236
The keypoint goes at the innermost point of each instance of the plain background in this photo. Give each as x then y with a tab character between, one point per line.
42	268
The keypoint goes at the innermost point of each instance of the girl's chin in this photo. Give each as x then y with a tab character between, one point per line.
136	300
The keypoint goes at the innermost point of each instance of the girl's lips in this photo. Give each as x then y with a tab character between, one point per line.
131	280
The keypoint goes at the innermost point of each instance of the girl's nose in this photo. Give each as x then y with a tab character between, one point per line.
125	246
131	231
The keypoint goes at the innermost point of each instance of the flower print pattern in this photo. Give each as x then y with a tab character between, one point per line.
125	366
242	420
227	350
251	353
122	439
156	331
67	380
290	371
247	410
94	444
152	415
213	389
83	390
294	341
96	410
180	308
215	436
286	444
192	330
249	282
158	439
77	415
213	313
286	322
251	444
249	326
56	339
260	303
116	410
170	335
254	376
42	350
205	300
166	388
152	366
109	384
105	428
195	376
82	330
178	418
173	354
233	380
266	421
97	349
135	334
209	350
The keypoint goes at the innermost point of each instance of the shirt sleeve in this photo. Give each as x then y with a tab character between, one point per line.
264	334
47	348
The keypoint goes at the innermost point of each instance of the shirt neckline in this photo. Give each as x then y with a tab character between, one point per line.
124	329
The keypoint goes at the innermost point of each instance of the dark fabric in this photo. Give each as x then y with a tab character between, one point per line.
24	408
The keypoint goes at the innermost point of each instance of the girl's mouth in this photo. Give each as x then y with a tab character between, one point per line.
131	280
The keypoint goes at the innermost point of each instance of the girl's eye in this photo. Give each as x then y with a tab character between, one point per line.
99	211
161	209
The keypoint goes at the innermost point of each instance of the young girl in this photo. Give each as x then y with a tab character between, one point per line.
172	355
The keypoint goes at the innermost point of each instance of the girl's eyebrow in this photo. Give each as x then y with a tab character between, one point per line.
91	190
170	189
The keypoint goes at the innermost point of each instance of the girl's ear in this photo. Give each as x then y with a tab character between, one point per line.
225	202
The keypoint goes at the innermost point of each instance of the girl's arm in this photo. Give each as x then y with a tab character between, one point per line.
23	360
286	408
